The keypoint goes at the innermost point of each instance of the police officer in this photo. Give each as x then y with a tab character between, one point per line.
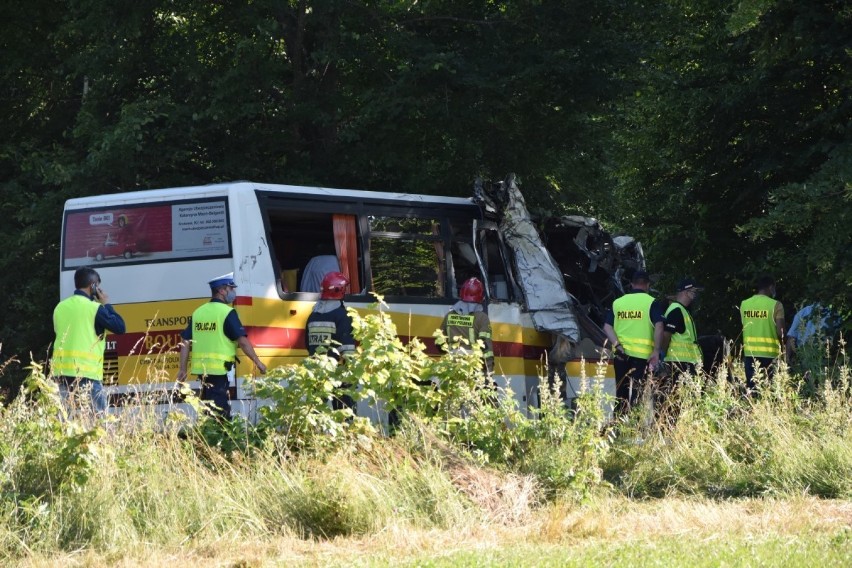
680	338
80	323
329	327
213	334
467	319
762	317
634	327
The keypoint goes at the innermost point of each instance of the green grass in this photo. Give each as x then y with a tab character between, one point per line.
828	550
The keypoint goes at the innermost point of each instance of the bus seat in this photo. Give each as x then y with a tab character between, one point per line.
290	279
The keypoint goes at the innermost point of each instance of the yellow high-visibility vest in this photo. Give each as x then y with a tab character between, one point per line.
211	348
78	351
633	325
683	347
760	336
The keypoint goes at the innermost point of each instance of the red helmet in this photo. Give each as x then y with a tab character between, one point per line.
333	286
472	291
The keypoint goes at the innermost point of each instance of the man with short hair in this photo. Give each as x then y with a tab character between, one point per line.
80	323
212	336
762	317
634	327
680	338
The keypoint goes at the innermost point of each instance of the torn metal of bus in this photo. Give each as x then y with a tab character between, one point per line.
570	270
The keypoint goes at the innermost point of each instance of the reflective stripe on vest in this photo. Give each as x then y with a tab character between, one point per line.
760	336
633	325
683	348
321	332
211	348
77	351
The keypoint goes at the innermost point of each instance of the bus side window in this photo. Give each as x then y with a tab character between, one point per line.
463	256
491	247
407	257
307	244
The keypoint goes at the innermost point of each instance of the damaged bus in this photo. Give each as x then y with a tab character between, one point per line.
156	249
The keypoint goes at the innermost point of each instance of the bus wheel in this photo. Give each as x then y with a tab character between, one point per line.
99	256
128	254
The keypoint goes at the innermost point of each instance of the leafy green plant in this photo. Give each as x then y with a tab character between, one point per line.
300	416
401	378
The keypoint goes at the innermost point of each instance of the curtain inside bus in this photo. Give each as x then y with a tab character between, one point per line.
346	246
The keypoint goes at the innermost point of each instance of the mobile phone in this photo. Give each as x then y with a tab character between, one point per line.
95	292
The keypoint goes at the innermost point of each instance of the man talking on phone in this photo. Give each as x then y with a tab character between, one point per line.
80	323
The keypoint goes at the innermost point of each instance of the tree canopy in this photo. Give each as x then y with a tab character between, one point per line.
717	133
734	155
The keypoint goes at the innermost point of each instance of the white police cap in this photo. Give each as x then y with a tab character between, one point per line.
224	280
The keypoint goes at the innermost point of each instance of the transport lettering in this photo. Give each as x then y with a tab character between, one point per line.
162	341
167	322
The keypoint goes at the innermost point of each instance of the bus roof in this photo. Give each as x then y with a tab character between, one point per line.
213	190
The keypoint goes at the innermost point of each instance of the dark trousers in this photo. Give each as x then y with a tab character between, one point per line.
215	389
767	365
629	381
676	369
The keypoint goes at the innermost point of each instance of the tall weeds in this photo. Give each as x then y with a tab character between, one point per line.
460	455
776	441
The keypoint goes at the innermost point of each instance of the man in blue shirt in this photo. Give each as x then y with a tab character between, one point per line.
813	323
810	322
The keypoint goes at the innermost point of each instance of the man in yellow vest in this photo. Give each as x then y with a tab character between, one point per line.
634	327
763	330
213	334
679	344
80	323
678	348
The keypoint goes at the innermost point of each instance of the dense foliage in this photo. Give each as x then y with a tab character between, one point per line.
734	158
718	133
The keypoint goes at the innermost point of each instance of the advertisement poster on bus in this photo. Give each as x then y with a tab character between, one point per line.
147	233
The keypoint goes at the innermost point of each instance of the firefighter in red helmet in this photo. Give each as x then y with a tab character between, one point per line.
329	327
469	320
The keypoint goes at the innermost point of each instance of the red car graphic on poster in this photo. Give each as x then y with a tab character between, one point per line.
113	247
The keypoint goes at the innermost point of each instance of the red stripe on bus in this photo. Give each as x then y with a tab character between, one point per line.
141	343
244	301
